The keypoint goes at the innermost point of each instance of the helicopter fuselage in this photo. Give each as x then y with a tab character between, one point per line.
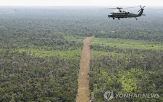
124	14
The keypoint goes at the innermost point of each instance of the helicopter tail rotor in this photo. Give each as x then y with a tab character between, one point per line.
142	7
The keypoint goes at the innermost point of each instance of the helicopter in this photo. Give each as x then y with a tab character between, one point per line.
124	14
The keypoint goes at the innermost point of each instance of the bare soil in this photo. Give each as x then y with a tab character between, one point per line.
83	77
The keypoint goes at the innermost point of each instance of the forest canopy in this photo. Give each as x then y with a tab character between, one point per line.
40	50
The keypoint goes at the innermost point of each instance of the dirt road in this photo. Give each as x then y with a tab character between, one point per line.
83	77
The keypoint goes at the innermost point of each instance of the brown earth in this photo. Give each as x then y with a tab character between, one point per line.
83	77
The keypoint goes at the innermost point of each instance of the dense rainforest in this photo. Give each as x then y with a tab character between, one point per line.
40	50
30	78
129	71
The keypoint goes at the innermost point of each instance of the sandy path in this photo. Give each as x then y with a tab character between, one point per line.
83	77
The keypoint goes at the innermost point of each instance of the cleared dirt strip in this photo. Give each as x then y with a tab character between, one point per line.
83	77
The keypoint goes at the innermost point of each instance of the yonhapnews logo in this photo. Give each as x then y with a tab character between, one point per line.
108	95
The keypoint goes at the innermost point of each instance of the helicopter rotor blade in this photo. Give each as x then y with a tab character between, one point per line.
123	8
116	8
111	8
130	7
143	6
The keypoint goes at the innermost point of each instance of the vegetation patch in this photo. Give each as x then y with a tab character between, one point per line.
72	54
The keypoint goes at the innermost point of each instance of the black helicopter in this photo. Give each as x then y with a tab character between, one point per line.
123	14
